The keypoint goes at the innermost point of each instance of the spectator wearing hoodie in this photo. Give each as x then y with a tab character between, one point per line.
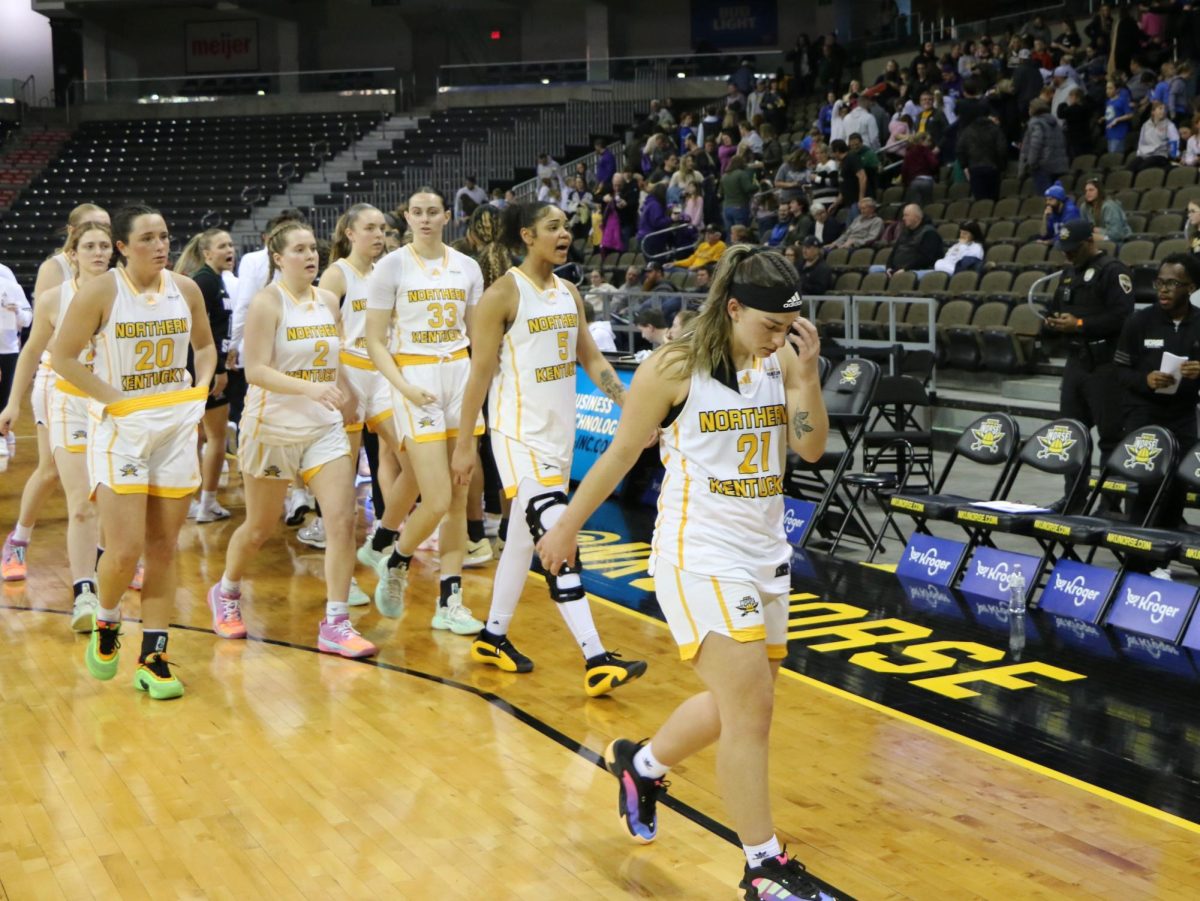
983	155
1044	149
1060	208
1118	116
969	246
1105	213
1158	142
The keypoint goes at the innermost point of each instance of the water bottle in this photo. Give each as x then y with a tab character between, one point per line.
1016	592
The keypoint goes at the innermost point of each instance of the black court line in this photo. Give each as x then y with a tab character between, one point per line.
703	820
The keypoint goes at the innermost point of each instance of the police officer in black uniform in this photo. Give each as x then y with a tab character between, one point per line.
1092	303
1172	325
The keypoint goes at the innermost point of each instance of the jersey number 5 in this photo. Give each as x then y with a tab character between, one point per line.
563	345
154	355
749	445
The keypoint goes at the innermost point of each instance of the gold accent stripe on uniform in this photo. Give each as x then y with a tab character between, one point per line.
378	418
353	359
720	596
686	610
151	401
512	352
61	384
426	359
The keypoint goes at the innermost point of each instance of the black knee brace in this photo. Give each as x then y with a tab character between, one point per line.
534	512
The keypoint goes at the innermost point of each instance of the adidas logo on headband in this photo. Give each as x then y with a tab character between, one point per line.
793	302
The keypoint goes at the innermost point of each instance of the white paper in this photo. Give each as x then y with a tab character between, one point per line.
1010	507
1172	364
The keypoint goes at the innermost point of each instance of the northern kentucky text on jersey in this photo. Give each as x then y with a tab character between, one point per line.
740	418
153	329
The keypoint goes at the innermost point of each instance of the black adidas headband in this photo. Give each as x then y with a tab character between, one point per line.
774	299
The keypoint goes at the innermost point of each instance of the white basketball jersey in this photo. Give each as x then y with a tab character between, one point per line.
87	356
720	510
428	300
65	265
354	313
143	348
306	347
533	394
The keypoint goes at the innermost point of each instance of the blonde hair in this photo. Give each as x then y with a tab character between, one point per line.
78	217
340	247
277	242
78	232
705	347
191	257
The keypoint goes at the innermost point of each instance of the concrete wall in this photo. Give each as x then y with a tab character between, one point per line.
25	46
236	106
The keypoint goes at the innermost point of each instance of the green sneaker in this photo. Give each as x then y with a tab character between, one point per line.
103	652
154	676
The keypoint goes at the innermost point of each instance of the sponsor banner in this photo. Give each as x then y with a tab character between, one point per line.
1077	590
991	572
927	558
1152	607
734	23
226	46
596	419
1087	637
797	519
930	598
1156	653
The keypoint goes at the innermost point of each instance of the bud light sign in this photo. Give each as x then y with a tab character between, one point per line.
797	520
928	558
1078	590
1152	607
993	573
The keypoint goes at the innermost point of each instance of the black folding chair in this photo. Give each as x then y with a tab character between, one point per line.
1162	545
848	393
1144	460
992	441
1061	448
901	403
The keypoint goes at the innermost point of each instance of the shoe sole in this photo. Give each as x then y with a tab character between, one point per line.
610	764
329	647
82	622
633	675
319	545
156	690
213	518
478	561
457	630
212	609
503	664
362	599
17	578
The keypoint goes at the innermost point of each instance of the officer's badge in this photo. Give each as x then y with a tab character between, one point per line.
1089	275
1126	283
1056	442
988	436
1143	451
850	374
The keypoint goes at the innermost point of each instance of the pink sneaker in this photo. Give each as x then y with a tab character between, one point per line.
12	558
139	575
226	613
340	637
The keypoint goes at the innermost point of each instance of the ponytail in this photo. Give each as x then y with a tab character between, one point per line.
484	232
339	247
192	256
517	216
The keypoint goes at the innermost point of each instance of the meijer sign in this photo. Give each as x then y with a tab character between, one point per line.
227	46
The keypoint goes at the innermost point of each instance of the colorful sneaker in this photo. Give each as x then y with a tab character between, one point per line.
358	597
368	556
455	617
104	650
12	559
340	637
154	677
139	576
226	613
478	553
212	513
637	799
313	535
780	879
83	614
607	671
498	651
389	593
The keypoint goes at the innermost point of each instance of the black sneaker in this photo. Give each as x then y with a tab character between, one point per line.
637	798
607	671
499	652
780	879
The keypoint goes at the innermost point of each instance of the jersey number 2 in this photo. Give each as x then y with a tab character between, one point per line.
749	445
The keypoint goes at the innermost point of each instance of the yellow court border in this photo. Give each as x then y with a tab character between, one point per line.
977	745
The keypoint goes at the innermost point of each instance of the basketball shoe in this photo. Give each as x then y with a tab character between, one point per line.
637	797
455	616
607	671
340	637
226	613
498	651
154	677
103	652
780	879
12	559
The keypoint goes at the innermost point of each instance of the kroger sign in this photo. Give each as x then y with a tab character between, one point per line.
1152	607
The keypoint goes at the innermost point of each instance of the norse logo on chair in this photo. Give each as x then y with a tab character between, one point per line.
1055	443
989	435
1143	451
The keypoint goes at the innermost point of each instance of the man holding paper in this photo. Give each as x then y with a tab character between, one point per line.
1158	363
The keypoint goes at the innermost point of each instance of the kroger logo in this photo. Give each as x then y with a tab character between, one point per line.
934	565
792	521
1152	603
1000	574
1076	589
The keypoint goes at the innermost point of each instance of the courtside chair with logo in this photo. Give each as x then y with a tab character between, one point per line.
992	441
848	392
1061	448
1145	460
878	483
1161	546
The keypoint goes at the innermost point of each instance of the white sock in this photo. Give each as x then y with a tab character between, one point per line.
334	609
509	580
22	533
647	764
208	498
578	617
756	854
109	615
229	586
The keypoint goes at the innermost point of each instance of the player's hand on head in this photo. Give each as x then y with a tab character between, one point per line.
804	339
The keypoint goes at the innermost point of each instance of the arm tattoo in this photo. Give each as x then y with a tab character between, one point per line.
800	426
612	387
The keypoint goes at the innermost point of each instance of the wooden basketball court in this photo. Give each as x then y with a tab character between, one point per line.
287	773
